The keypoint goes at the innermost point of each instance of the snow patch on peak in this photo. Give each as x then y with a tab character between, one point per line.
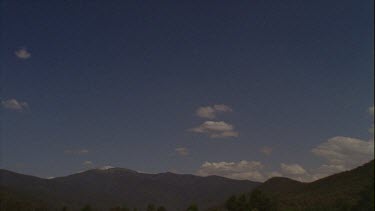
106	167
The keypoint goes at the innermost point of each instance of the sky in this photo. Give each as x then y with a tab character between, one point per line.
241	89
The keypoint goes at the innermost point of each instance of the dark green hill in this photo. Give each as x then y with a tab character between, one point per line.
336	192
346	191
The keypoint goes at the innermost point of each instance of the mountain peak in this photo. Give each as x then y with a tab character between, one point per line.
105	167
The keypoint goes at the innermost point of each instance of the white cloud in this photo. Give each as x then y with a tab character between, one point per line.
216	129
15	105
340	154
214	126
76	151
292	169
346	151
253	170
210	112
206	112
22	53
182	151
266	150
343	153
296	172
250	170
327	169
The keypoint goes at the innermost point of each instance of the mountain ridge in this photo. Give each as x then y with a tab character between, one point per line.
116	186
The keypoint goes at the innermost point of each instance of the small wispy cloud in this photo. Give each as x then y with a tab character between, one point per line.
14	105
266	150
182	151
210	112
371	110
215	129
22	53
76	151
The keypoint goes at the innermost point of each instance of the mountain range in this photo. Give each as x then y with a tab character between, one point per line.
106	188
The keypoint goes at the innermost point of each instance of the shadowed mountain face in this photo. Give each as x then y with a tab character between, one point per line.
343	191
107	188
351	190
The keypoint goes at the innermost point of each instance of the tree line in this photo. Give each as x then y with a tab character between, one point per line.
150	207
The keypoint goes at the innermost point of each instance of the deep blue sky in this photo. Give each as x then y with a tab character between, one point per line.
123	79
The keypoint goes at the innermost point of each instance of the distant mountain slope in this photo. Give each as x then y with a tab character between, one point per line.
111	187
336	192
